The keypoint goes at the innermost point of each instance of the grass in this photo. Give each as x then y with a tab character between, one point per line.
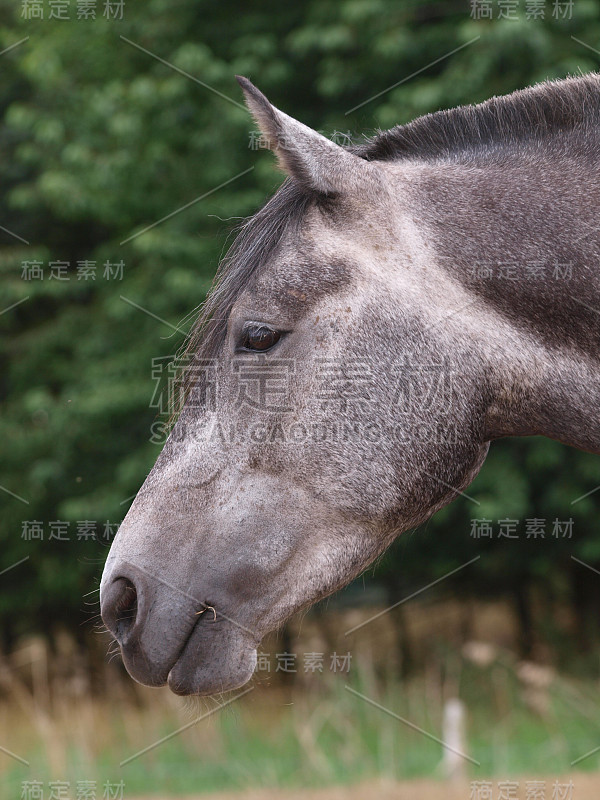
306	732
312	736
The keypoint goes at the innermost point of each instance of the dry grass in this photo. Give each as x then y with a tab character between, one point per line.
76	718
585	787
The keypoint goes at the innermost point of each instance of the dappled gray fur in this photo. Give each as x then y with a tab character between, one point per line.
431	290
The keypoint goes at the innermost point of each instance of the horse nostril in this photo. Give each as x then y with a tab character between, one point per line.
119	609
126	607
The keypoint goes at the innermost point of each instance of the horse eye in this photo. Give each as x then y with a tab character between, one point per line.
259	337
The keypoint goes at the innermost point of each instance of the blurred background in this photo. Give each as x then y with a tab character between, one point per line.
116	117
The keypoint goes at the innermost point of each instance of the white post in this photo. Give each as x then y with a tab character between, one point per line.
454	763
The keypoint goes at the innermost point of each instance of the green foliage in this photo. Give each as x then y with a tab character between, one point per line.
99	140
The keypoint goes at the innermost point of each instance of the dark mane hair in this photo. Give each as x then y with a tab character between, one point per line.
257	238
526	115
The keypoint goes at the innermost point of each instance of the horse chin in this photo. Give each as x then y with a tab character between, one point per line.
211	663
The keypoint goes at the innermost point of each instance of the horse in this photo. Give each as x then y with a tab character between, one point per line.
393	308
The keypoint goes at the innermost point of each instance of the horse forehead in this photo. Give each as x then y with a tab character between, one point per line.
301	272
325	254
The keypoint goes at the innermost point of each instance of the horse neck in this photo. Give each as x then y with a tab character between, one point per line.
521	236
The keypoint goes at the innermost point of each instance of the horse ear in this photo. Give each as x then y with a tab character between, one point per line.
310	158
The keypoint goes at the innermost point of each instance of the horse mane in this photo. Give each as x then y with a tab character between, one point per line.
525	116
256	239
